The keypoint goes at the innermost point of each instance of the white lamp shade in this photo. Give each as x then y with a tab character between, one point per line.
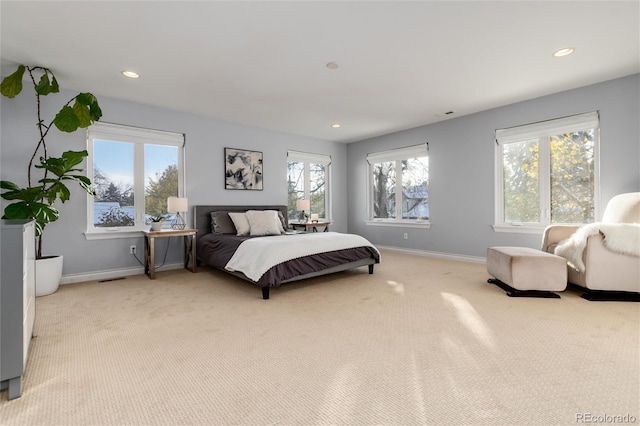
302	205
177	205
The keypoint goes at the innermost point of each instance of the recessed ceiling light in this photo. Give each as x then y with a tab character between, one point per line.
336	125
130	74
563	52
332	65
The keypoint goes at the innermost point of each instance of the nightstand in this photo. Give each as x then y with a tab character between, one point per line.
189	236
310	225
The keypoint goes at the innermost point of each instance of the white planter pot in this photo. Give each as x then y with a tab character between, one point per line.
48	275
156	226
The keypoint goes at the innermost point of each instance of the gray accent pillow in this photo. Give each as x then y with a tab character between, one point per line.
282	220
221	223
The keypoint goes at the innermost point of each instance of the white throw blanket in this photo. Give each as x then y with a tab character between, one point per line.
621	238
256	256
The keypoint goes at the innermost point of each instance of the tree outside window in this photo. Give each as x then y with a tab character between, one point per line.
549	175
132	165
308	179
400	185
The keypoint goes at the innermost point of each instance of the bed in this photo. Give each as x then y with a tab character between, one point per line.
271	260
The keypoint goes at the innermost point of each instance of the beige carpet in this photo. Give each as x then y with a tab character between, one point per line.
422	341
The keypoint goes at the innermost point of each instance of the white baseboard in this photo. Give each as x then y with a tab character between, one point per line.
437	255
113	273
118	273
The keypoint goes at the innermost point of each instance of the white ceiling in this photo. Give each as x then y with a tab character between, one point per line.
263	63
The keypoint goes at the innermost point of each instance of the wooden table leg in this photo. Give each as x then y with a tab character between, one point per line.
193	253
189	248
185	251
146	255
152	258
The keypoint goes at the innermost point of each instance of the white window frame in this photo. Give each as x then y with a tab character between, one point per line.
310	158
397	155
543	131
139	137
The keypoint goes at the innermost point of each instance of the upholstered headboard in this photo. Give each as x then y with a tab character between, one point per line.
202	215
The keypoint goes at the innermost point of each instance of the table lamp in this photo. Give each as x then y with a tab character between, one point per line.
177	205
302	206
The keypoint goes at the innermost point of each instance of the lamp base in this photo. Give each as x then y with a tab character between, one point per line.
178	223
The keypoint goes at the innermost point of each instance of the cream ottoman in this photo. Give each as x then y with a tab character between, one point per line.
526	272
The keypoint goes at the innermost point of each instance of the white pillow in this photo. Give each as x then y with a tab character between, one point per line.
264	222
241	223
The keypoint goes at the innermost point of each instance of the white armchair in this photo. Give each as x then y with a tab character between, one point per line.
607	275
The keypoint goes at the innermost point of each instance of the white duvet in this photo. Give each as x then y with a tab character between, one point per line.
256	256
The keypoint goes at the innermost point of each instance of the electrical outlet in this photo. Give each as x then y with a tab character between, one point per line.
406	236
132	250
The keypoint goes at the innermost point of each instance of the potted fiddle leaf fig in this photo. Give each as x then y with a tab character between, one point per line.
36	200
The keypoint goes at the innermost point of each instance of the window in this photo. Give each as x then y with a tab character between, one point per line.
547	173
308	179
133	172
399	186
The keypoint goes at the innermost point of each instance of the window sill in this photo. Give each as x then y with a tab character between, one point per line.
400	223
109	235
302	222
519	229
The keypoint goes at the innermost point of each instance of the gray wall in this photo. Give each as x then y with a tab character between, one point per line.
461	162
461	169
206	140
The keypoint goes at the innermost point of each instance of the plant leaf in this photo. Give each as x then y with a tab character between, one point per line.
83	113
54	84
73	158
53	164
44	85
96	112
60	166
19	210
66	120
90	101
11	86
44	213
57	190
5	184
84	182
27	195
85	98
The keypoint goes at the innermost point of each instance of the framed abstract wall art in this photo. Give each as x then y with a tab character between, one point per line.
242	169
